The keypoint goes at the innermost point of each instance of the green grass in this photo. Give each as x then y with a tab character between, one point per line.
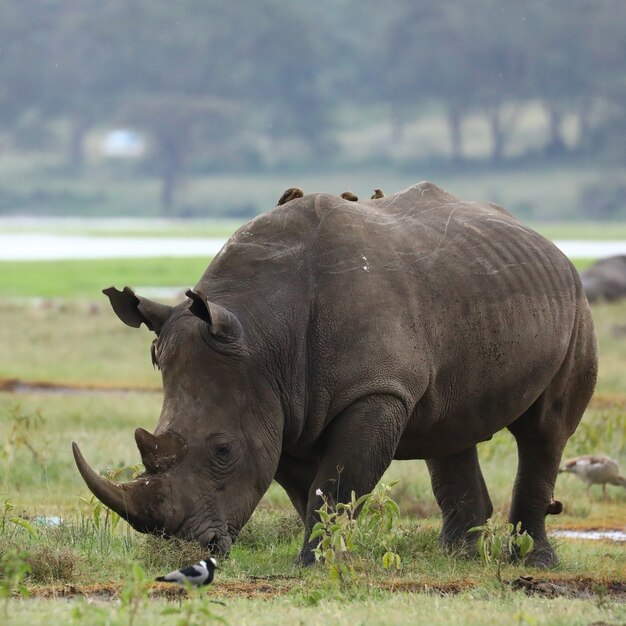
87	278
376	609
72	342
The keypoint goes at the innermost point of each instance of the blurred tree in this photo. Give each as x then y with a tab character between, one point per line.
23	57
86	75
294	72
178	124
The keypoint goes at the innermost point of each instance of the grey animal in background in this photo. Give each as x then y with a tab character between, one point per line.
378	194
595	469
346	335
606	279
290	194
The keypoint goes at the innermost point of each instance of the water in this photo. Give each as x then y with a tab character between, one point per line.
594	535
52	247
47	247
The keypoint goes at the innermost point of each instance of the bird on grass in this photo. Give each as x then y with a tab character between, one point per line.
290	194
195	575
594	469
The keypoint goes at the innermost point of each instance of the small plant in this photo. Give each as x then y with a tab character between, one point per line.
14	569
134	593
522	618
497	542
195	611
24	427
7	507
83	612
102	517
364	524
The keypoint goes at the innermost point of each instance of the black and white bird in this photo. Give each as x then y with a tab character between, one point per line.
195	575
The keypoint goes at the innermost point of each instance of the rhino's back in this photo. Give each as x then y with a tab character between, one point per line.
452	306
430	240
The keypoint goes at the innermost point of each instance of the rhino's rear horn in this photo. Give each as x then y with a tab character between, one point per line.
223	324
159	452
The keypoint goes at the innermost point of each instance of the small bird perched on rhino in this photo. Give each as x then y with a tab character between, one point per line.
595	469
348	195
378	194
290	194
195	575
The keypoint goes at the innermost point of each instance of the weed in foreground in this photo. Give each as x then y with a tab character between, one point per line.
14	569
134	593
498	542
195	610
364	525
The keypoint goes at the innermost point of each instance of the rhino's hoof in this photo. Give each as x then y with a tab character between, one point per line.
543	559
305	558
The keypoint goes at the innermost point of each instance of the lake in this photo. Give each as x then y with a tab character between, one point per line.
52	247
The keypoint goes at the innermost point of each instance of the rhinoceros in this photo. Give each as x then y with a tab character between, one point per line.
605	279
329	337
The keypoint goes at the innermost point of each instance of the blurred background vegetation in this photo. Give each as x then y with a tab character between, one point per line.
202	108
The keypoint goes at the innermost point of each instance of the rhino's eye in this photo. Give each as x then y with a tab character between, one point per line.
225	454
223	449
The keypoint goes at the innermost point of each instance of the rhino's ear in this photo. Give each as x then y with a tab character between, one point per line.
223	324
134	310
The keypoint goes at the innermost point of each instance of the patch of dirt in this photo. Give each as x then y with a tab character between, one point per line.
583	588
110	591
272	586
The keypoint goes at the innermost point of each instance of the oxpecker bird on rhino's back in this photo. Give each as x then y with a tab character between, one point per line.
330	334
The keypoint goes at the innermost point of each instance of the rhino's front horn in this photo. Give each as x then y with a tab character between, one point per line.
159	452
122	499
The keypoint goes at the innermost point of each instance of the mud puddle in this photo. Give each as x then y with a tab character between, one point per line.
618	536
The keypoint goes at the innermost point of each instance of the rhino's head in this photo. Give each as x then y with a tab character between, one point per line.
217	444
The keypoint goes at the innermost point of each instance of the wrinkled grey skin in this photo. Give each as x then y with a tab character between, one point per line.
606	279
330	334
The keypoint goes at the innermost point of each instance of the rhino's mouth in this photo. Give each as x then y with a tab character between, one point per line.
216	539
214	534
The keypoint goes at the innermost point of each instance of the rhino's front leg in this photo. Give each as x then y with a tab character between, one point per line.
296	478
461	493
357	448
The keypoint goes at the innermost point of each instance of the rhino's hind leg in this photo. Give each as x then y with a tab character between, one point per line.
462	495
537	470
541	434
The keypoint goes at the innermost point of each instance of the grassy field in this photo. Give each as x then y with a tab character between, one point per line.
81	569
